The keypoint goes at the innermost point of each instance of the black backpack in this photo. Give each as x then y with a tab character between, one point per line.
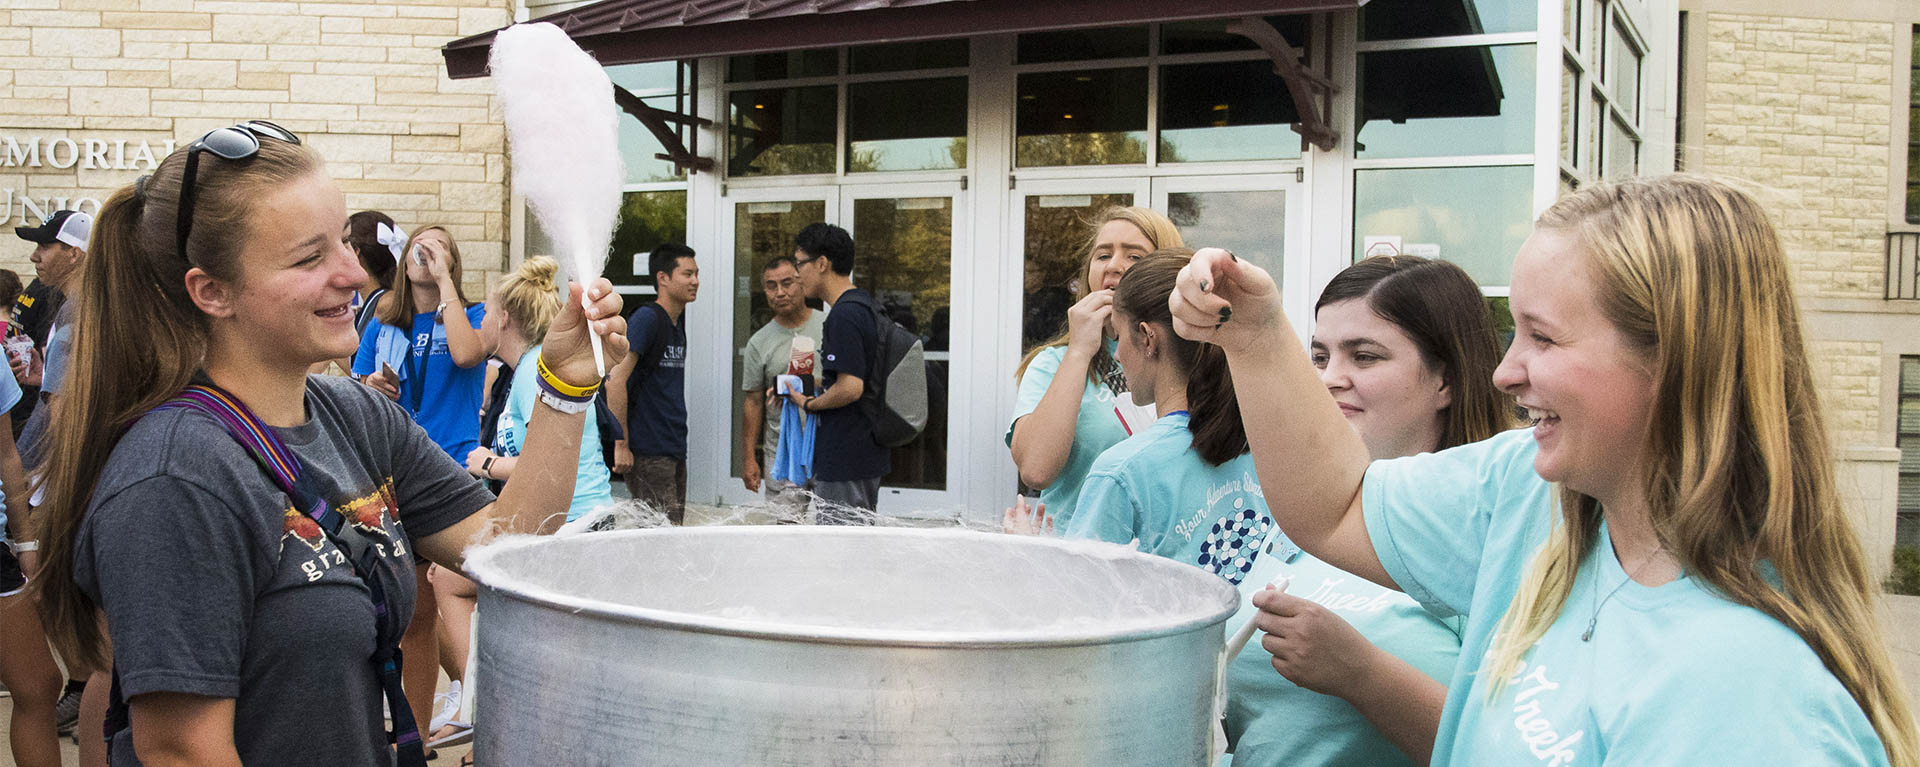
895	396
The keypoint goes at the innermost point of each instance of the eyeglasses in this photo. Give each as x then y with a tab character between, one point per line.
786	284
236	143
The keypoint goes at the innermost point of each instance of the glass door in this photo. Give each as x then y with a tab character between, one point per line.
1249	215
905	237
1053	234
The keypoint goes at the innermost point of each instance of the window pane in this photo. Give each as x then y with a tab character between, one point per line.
1623	151
1237	110
1570	22
1446	101
779	66
1477	216
1251	224
1502	310
780	132
901	57
1055	257
1180	37
907	125
1595	111
761	231
655	83
904	248
1090	117
1081	44
1402	19
1590	24
1623	73
1910	376
647	219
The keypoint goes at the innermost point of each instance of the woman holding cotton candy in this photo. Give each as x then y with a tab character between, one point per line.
1695	593
1407	349
1073	402
243	618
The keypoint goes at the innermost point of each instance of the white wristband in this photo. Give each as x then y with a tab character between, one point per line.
563	405
22	547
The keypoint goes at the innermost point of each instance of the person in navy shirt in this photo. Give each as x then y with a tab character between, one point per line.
847	463
648	393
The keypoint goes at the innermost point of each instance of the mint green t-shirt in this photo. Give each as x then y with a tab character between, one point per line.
1155	489
592	487
1272	722
1099	426
1673	675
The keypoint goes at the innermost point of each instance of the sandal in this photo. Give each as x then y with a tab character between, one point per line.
456	733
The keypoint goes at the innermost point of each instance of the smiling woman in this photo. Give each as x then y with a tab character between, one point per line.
202	486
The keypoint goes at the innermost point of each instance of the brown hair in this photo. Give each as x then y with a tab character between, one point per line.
363	234
10	288
1214	412
531	297
397	309
139	339
1159	230
1440	308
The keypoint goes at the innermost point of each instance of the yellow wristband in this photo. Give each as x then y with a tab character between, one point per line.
563	387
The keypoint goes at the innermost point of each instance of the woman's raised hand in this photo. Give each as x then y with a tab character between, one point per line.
1087	321
1224	301
567	350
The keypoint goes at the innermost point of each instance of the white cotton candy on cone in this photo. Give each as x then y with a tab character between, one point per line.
563	136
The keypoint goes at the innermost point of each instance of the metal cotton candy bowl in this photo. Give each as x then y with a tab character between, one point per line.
791	645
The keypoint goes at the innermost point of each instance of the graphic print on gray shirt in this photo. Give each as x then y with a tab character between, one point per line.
214	585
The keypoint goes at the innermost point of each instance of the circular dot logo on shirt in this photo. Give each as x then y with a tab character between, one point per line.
1234	543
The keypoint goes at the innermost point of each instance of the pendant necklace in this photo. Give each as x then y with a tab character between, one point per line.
1594	620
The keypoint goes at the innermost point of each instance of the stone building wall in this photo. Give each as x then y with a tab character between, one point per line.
363	82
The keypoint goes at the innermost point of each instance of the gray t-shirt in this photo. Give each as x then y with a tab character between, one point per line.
767	354
214	585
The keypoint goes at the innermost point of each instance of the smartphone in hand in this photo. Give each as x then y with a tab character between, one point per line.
387	370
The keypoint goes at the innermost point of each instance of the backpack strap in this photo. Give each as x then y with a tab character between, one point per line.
283	467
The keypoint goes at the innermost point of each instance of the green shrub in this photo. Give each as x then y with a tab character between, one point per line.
1905	578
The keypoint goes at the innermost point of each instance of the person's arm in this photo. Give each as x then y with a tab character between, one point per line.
1042	438
552	445
179	730
846	390
1310	460
464	344
752	417
617	404
13	481
1319	651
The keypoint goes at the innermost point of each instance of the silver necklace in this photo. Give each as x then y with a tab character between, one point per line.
1594	620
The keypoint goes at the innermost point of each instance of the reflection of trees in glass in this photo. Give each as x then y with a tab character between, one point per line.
1056	250
904	248
877	159
1102	148
647	219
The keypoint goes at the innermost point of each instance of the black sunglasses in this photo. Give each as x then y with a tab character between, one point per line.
236	143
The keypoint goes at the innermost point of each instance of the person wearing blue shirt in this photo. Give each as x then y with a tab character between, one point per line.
1660	571
424	349
648	392
1073	402
1406	347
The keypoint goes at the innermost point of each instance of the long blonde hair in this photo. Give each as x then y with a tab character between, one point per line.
397	309
138	341
1159	230
1691	271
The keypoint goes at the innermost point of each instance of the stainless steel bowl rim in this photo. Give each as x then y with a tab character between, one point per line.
481	566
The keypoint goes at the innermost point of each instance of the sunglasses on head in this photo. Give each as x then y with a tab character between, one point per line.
236	143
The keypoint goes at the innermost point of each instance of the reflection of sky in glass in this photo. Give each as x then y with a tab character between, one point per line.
907	154
1510	131
653	82
1251	224
1478	216
1231	142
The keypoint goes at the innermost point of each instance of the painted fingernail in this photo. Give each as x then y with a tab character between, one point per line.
1226	313
1232	256
1204	285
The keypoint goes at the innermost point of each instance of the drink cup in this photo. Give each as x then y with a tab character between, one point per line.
800	360
19	350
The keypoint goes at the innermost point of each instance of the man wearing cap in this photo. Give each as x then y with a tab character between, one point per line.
60	244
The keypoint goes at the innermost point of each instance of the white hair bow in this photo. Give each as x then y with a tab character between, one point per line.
392	237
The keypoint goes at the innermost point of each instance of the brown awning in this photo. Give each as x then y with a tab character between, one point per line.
633	31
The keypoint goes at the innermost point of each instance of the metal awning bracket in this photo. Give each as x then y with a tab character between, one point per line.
1308	88
660	123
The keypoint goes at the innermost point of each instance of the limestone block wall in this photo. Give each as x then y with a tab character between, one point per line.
1803	107
362	82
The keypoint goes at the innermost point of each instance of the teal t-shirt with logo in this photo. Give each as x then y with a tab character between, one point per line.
1155	489
1673	675
1098	427
1272	722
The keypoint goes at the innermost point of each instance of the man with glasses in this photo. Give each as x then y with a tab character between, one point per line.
771	352
847	463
